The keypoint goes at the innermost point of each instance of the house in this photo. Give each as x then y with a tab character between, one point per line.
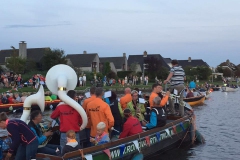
34	54
192	63
116	63
139	60
168	61
85	62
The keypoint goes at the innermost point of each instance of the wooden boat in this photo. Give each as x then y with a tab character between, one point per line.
146	143
229	89
19	106
195	101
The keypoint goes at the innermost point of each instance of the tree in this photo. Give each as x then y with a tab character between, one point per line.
106	68
133	66
153	67
227	72
53	57
199	72
16	63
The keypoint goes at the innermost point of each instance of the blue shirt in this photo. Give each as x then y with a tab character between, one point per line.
192	85
153	121
40	138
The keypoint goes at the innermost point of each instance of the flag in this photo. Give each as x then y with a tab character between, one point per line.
107	151
174	129
136	144
158	135
147	140
122	147
182	126
88	157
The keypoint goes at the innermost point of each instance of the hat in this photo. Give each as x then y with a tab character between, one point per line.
126	111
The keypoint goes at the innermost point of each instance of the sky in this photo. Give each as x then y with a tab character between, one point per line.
177	29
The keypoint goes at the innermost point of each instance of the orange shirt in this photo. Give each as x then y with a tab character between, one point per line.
124	100
99	111
85	103
163	101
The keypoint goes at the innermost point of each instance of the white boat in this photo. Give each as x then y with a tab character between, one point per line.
229	89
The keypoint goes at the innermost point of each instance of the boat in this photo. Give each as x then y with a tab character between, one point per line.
195	101
173	134
216	88
229	89
19	106
207	94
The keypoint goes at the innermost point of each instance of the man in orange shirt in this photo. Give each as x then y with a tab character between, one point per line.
125	99
157	88
99	111
85	103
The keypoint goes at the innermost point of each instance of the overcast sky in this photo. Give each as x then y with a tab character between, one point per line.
177	29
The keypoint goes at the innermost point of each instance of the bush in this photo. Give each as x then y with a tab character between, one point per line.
122	74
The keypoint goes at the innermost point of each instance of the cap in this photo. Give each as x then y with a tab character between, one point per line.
127	111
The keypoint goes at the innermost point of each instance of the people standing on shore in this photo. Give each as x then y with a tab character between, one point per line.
84	78
176	78
24	141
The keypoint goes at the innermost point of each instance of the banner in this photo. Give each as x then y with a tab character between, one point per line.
158	135
122	147
168	132
147	140
107	151
181	124
88	157
136	144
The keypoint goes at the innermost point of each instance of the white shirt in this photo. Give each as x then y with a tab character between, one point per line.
84	78
80	78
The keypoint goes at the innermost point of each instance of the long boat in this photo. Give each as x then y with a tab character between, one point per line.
173	134
19	106
229	89
195	101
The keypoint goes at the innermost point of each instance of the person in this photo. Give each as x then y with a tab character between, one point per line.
157	88
11	100
189	93
41	133
176	77
101	136
137	109
4	98
71	145
99	111
85	103
84	80
80	80
24	96
132	126
70	119
157	115
126	98
192	85
196	93
117	113
24	141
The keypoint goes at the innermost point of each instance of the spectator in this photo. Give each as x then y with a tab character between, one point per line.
80	80
84	80
101	136
17	98
24	96
5	98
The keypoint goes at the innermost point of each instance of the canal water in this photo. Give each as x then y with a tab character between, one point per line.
219	122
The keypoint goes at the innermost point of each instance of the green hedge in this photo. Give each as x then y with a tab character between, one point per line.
122	74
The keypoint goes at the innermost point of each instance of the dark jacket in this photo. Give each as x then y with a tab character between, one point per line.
69	147
161	116
20	133
118	120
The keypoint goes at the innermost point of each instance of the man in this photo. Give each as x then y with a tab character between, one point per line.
157	115
157	88
17	98
132	126
24	141
4	98
192	85
84	80
85	103
126	99
99	111
70	119
176	77
42	135
189	93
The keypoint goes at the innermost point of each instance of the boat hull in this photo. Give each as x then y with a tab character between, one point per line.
195	101
229	89
149	142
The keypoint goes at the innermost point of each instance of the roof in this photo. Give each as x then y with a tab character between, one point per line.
35	54
167	60
117	61
140	59
82	60
193	63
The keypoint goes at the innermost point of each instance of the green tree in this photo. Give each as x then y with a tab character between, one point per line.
106	68
16	63
53	57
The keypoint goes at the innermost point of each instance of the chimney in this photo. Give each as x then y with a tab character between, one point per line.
84	52
228	61
124	54
145	54
23	49
189	59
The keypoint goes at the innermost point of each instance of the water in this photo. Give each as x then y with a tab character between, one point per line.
218	121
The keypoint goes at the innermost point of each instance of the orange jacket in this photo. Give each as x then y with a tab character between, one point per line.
99	111
85	103
163	101
124	100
